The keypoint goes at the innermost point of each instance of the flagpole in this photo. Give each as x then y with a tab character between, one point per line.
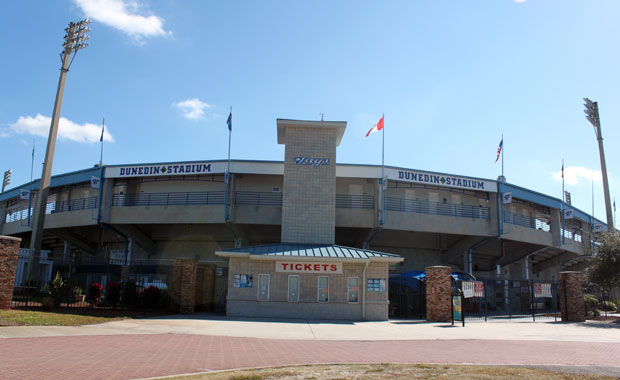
227	176
100	173
592	222
502	155
382	171
563	221
31	170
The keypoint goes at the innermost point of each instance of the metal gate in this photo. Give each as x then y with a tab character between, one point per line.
407	297
221	289
510	299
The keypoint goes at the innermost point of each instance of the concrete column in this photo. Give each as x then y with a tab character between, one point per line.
572	307
184	285
9	254
3	208
205	287
438	294
106	199
556	227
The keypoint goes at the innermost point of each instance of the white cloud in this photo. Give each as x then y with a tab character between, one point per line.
67	129
192	108
572	174
520	1
122	15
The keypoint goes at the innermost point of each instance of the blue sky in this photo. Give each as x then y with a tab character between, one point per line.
450	76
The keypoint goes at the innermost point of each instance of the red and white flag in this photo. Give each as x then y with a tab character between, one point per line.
377	127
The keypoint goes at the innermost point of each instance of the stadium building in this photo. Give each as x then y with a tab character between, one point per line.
304	237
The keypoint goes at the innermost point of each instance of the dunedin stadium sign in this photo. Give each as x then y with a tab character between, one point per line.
437	179
183	168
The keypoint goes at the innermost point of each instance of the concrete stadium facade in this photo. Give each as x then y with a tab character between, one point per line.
174	210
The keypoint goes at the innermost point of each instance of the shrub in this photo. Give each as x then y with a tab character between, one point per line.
590	301
113	293
94	291
152	297
58	289
607	306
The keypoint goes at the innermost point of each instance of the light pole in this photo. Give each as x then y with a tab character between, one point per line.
591	112
7	179
74	41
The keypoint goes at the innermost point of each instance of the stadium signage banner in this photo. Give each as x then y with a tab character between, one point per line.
441	180
183	168
305	267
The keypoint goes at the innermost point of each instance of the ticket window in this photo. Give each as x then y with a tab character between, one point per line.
353	291
293	288
323	289
263	287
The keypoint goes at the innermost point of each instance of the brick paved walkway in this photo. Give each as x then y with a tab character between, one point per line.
138	356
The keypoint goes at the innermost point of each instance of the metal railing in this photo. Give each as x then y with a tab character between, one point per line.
355	201
526	221
72	205
419	206
21	213
169	199
256	198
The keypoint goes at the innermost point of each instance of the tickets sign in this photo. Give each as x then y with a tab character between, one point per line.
308	267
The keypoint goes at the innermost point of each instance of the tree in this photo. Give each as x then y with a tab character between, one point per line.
605	266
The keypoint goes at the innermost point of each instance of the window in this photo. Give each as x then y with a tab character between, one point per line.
353	291
293	288
323	289
263	287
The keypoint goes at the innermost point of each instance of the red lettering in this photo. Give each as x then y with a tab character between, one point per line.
333	267
284	265
307	266
298	267
325	267
317	267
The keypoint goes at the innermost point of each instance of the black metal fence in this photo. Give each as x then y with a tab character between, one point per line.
355	201
89	283
509	299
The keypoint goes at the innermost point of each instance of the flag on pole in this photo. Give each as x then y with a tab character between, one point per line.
229	121
499	149
377	127
102	129
562	169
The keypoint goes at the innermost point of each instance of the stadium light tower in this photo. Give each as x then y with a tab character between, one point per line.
591	112
74	41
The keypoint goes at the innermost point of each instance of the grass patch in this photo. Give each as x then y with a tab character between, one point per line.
393	372
64	317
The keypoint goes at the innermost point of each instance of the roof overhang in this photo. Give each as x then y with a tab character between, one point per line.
340	126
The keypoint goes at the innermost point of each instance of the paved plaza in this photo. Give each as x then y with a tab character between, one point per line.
132	349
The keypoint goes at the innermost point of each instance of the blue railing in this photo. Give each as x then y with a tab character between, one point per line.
355	201
256	198
526	221
21	213
169	199
419	206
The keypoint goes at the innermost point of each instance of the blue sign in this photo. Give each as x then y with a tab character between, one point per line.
316	162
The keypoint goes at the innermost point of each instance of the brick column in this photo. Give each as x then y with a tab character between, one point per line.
572	307
205	287
438	294
9	254
184	285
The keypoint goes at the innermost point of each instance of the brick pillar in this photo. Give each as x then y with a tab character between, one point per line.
572	307
184	285
205	287
438	294
9	254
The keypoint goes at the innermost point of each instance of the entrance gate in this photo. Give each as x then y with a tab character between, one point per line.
508	299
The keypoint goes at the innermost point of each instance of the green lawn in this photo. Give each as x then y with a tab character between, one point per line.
63	318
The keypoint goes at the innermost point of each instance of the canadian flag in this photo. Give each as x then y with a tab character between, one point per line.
377	127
